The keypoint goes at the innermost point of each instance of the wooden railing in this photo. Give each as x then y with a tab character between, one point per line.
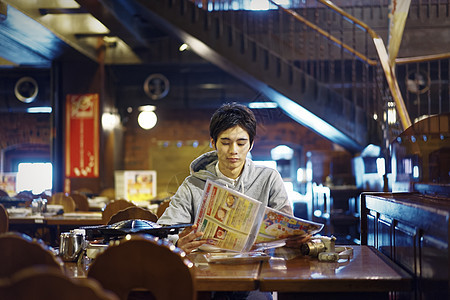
339	50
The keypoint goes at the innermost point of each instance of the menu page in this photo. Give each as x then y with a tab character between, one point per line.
277	226
227	218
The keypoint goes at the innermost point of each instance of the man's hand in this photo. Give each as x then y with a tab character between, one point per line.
187	239
297	241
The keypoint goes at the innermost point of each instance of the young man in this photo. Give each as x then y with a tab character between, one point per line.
232	131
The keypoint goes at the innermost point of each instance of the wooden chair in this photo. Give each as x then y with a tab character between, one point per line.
63	199
162	207
19	251
81	201
110	193
44	282
25	195
133	212
114	207
84	191
4	219
145	263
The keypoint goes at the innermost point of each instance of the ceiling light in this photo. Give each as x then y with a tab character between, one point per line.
110	41
258	105
39	109
183	47
147	108
147	118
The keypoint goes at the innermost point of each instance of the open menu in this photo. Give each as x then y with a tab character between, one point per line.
233	221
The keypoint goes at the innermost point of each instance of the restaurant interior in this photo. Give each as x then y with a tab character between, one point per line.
105	103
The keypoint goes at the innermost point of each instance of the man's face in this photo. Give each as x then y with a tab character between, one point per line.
232	147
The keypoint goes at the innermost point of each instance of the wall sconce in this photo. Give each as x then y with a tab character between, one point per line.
147	118
110	120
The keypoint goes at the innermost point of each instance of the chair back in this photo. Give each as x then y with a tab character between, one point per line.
85	191
145	263
81	201
44	282
65	200
162	207
110	193
26	196
114	207
19	251
133	212
4	219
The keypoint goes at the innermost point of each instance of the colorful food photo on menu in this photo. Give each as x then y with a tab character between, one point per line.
220	233
220	214
231	199
278	230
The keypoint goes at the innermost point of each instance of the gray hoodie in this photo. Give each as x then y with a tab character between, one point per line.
259	182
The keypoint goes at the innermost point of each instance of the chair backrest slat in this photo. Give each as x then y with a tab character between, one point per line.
44	282
114	207
19	251
4	219
65	200
145	263
133	212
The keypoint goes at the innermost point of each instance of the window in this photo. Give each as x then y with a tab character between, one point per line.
34	177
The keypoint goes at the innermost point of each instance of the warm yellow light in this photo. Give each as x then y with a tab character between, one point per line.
110	121
147	119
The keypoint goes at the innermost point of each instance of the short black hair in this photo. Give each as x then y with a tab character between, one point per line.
230	115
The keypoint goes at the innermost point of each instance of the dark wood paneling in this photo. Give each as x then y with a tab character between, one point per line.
413	231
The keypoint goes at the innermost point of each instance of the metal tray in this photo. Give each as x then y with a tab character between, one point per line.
134	226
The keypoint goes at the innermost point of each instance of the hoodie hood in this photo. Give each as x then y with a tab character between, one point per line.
203	167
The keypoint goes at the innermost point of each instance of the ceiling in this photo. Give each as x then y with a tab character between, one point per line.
33	33
36	32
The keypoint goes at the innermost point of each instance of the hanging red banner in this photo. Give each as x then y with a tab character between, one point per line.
82	135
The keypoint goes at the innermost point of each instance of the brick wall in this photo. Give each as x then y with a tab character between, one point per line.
23	128
180	136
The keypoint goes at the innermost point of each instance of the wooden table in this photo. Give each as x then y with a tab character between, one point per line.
209	277
76	219
365	275
220	277
55	224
